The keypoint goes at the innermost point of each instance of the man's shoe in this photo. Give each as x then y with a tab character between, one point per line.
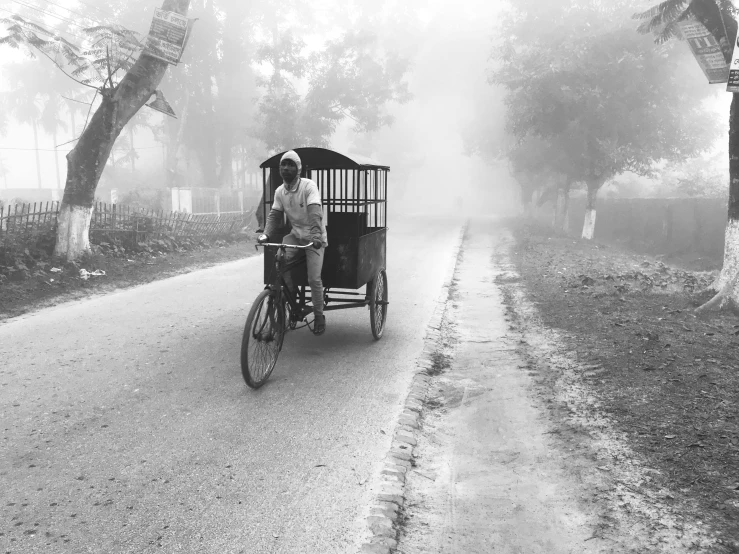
319	324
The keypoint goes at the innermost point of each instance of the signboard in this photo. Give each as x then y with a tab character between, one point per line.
706	50
733	84
167	36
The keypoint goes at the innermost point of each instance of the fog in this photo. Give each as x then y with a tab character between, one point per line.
424	147
447	47
258	78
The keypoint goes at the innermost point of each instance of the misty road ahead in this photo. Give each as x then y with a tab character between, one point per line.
127	426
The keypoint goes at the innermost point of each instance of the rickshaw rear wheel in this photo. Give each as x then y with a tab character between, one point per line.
378	296
262	340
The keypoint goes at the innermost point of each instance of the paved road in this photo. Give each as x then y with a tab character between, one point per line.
126	425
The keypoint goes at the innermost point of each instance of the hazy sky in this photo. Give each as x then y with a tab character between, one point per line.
449	68
451	47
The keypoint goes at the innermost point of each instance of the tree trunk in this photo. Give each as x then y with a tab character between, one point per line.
561	211
56	161
527	194
173	153
38	161
535	196
86	161
588	228
226	178
726	283
133	153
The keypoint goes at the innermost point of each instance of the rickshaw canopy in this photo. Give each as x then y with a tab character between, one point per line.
323	158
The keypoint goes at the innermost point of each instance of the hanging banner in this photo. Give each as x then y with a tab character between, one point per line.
167	36
160	104
706	50
733	84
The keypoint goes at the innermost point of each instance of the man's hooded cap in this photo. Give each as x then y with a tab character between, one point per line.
292	155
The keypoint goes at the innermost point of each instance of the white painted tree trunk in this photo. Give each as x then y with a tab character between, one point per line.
727	283
588	228
73	229
731	259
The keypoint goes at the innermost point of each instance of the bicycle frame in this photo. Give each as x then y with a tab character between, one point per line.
298	309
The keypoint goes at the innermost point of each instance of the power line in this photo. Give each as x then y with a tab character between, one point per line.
58	31
65	150
66	20
83	39
74	12
107	14
104	12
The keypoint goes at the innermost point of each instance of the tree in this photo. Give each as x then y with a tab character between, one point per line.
538	166
24	101
609	102
718	16
351	78
120	101
4	171
51	122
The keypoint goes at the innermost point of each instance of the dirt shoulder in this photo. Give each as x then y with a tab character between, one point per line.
663	379
46	282
487	464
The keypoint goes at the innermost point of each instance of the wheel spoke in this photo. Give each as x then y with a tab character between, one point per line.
262	340
378	304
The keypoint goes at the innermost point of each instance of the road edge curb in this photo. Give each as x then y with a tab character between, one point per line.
386	507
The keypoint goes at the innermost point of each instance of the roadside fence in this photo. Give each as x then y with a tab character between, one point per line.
24	223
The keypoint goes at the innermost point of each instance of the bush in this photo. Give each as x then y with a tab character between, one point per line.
145	199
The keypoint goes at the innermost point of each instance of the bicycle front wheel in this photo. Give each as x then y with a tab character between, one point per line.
262	341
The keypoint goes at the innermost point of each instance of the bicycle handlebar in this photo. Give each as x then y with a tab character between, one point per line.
296	246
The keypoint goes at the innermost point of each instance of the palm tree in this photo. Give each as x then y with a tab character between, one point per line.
51	122
24	102
4	171
719	17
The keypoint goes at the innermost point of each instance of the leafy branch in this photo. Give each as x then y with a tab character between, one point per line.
113	48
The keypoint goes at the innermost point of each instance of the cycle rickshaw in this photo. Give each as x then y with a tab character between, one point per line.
354	197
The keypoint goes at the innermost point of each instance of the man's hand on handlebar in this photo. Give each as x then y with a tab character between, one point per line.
262	240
